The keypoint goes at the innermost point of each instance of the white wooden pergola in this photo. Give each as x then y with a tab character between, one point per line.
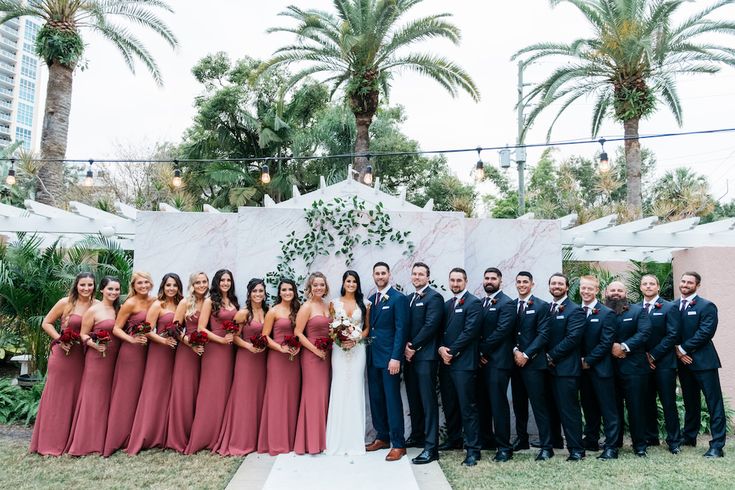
599	240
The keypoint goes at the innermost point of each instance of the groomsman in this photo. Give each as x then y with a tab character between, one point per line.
698	364
598	381
460	358
665	321
426	307
633	328
388	329
529	355
496	353
566	326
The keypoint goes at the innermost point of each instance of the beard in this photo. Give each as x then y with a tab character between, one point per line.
616	305
490	288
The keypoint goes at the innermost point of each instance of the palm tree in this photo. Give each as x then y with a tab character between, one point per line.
681	194
361	48
61	45
629	65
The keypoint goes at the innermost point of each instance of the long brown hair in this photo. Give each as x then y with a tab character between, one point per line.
295	303
74	292
162	288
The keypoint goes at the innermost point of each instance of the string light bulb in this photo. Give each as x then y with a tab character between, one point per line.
368	177
177	175
89	178
479	167
604	160
265	176
10	179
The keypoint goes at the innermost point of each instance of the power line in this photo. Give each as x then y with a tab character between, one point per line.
381	154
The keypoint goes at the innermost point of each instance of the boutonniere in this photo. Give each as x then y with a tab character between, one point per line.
657	305
530	302
494	301
460	302
693	302
626	308
595	311
560	308
384	299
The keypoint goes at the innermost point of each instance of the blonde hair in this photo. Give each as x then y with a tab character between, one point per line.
310	283
191	297
139	275
590	278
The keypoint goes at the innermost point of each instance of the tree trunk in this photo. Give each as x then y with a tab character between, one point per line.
50	189
362	142
633	168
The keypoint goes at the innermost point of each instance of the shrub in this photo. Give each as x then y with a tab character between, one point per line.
19	406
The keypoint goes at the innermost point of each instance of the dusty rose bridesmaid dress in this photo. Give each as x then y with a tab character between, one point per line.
218	362
126	384
239	434
184	387
311	428
151	416
282	392
89	428
56	410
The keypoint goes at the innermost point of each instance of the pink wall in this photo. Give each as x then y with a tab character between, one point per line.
716	265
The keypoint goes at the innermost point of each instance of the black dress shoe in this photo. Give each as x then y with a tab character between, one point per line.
471	459
675	449
450	445
520	444
689	442
414	442
576	456
714	453
641	453
608	453
544	455
503	456
426	457
653	442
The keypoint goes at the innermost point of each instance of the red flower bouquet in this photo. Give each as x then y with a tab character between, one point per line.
141	328
259	341
173	330
69	336
324	344
199	338
293	343
101	337
230	327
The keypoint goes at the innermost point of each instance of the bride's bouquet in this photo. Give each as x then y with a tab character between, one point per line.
342	329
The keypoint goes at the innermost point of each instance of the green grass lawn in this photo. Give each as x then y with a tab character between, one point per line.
150	469
659	470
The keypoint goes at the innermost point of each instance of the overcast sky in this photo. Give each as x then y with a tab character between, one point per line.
112	106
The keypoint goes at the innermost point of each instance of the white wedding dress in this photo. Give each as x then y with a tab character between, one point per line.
346	415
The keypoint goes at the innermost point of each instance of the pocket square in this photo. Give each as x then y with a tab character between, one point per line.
594	320
419	304
386	308
691	313
657	314
492	309
530	312
627	319
560	317
458	311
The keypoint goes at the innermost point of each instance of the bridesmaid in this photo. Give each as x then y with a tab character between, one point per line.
218	362
90	416
312	323
64	373
149	426
185	381
130	367
239	434
283	382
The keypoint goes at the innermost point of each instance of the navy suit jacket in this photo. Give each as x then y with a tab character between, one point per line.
461	334
426	314
698	327
498	324
665	325
532	332
633	329
565	337
388	328
597	340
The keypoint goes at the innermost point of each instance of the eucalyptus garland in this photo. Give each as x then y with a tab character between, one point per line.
341	224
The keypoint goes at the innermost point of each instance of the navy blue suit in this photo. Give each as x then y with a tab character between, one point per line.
496	346
598	382
420	374
566	327
388	330
458	380
665	326
529	382
633	328
698	327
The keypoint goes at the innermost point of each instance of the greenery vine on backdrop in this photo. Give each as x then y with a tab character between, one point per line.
341	224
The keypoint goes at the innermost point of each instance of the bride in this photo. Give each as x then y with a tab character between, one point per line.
346	415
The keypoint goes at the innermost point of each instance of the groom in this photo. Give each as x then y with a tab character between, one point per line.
388	329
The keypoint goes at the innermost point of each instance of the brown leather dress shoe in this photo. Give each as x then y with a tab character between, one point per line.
376	444
395	454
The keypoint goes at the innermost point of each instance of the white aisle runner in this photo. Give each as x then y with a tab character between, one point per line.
323	472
